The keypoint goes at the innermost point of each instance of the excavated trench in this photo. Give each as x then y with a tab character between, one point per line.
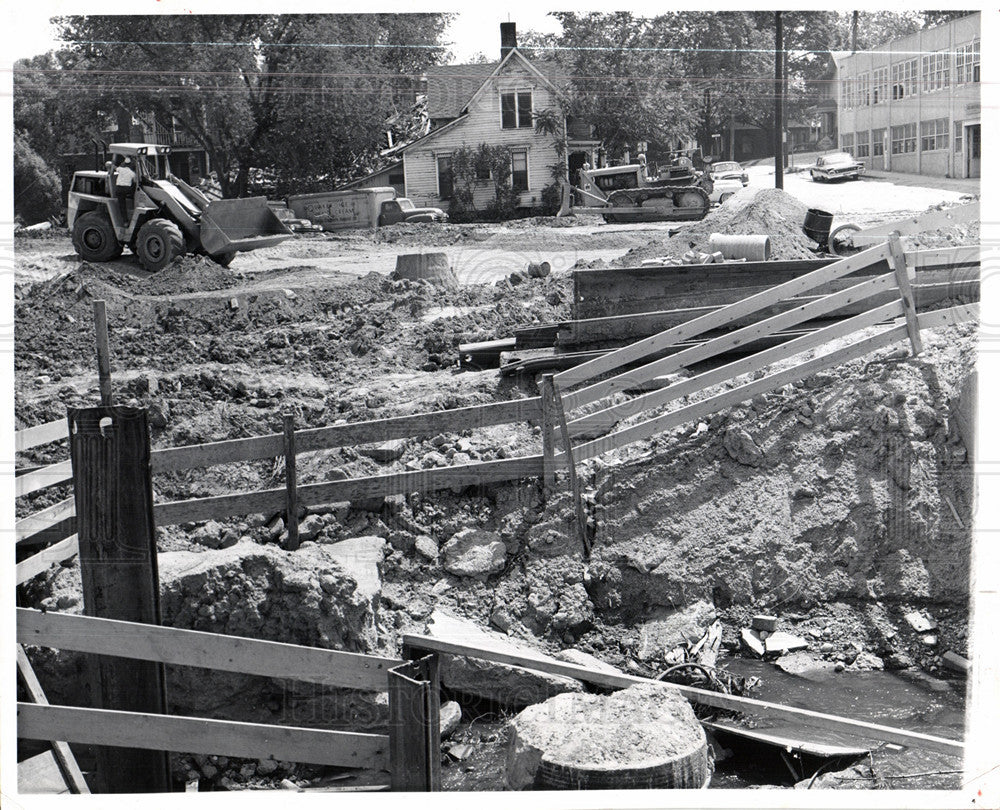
840	505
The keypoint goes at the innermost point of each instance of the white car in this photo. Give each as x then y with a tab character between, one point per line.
838	166
724	189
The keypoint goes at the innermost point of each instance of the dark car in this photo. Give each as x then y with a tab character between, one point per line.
838	166
729	170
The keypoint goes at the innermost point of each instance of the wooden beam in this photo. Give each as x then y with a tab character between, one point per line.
46	558
113	488
574	480
713	320
64	757
38	435
291	498
194	648
194	735
730	371
937	318
103	352
903	275
376	430
732	340
350	489
548	432
41	479
701	696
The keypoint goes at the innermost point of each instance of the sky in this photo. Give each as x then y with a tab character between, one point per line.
470	33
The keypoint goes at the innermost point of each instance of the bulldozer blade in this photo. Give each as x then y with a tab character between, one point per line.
239	225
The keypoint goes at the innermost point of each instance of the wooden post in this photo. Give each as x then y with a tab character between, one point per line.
905	292
415	725
112	485
548	432
291	498
581	518
103	352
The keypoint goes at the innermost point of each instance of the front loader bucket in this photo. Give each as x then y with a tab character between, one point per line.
238	225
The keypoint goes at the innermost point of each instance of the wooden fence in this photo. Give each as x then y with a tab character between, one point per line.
574	388
107	727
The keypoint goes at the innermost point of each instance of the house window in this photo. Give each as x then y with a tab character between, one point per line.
482	172
967	63
861	144
904	139
445	184
933	134
958	136
846	100
878	142
515	110
935	71
880	85
519	170
904	79
847	143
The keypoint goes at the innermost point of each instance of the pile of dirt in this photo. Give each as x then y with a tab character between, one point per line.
767	211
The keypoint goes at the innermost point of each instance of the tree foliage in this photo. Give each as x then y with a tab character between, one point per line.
37	190
303	96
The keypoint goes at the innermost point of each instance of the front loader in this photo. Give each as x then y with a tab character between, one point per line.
161	217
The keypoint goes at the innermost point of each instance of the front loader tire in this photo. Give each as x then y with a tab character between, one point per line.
158	243
94	238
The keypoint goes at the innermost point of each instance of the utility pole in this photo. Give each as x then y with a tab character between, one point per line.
779	169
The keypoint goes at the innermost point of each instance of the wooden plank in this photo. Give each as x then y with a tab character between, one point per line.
905	292
734	339
793	744
291	500
202	736
350	489
736	395
701	696
942	317
376	430
103	352
38	435
45	519
65	761
41	479
746	365
194	648
713	320
46	558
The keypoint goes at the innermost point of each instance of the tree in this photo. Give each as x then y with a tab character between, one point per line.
305	96
37	190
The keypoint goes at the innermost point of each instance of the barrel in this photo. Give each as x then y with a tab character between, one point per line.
817	225
752	247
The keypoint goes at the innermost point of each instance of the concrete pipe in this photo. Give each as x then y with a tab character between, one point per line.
752	247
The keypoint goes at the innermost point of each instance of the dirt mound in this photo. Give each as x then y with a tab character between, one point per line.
768	211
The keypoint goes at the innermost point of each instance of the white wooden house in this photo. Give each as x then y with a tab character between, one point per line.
492	103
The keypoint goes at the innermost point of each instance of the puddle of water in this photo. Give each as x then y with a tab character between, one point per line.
903	700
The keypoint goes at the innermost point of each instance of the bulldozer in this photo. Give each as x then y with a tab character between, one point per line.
628	194
138	203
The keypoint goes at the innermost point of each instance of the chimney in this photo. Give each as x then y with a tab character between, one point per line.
508	38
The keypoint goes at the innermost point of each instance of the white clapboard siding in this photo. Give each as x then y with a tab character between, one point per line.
482	125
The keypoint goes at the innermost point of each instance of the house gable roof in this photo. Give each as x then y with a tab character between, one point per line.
451	88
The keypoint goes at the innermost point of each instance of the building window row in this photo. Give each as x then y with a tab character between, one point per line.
904	79
518	174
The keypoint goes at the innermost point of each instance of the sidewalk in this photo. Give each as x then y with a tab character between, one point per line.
966	185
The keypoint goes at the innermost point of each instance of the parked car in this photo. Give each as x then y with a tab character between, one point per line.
728	170
838	166
724	188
